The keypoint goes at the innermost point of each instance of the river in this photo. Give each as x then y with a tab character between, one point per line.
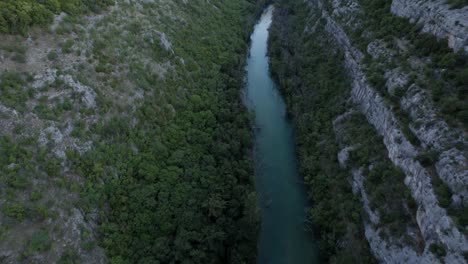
282	196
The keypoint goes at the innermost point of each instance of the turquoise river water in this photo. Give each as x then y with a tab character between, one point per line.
283	202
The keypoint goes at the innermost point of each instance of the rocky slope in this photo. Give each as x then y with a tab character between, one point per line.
123	137
391	85
438	18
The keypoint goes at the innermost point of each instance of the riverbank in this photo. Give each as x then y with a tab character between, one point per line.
313	82
284	237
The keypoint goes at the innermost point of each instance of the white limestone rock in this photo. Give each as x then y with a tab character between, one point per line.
437	18
433	221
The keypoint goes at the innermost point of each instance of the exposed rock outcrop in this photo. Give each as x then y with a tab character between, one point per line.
435	225
385	251
437	18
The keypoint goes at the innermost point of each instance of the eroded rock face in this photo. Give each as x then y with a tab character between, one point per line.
435	134
433	221
437	18
387	252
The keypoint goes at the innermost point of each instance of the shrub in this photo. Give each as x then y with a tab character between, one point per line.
52	56
17	16
443	192
17	181
462	77
41	212
89	246
39	242
427	158
437	249
463	217
12	93
15	210
36	196
69	257
67	46
457	3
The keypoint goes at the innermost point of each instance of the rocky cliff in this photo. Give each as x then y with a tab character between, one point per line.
438	18
392	85
433	221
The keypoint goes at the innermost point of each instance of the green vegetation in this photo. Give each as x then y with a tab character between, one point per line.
13	92
444	76
16	53
15	168
39	242
384	182
437	250
443	192
316	91
449	90
69	257
174	182
19	166
15	210
457	3
171	176
428	158
17	16
52	56
36	196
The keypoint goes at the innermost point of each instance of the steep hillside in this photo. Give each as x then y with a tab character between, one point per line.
380	109
123	137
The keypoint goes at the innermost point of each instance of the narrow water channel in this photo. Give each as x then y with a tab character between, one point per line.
283	239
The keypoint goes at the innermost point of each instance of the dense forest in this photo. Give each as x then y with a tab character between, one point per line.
124	135
17	16
316	89
168	179
178	186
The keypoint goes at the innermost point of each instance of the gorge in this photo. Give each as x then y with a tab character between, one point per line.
240	131
283	237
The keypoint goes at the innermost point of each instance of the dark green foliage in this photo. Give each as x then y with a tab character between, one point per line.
15	165
12	90
449	93
39	242
462	218
443	192
377	80
316	91
69	257
428	158
17	16
457	3
384	183
15	210
177	186
462	78
35	196
428	44
437	250
67	46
